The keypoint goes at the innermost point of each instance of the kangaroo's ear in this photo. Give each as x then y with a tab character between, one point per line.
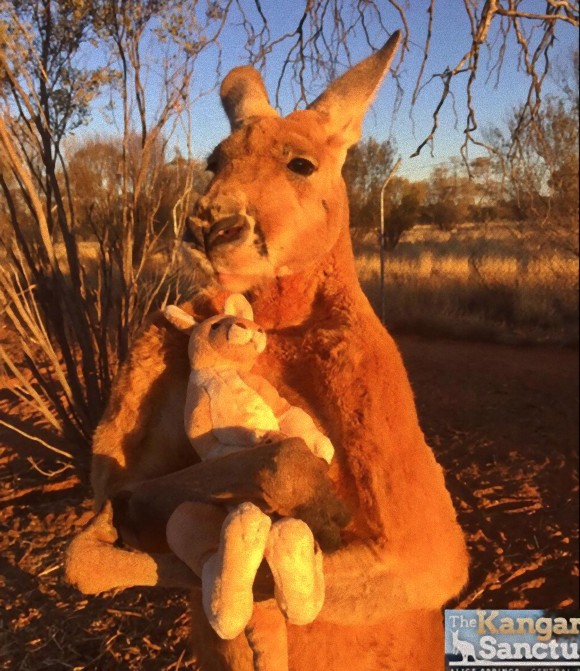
346	101
236	305
179	318
244	97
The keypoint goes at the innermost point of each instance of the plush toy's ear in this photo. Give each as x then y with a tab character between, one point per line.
236	305
179	318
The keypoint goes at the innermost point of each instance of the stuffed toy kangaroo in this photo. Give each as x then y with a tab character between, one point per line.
228	409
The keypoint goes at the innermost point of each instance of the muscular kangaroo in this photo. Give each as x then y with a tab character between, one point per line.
274	224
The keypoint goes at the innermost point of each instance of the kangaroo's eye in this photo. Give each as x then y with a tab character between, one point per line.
215	326
301	166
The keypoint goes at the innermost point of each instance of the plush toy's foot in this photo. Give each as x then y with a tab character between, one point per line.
228	575
296	564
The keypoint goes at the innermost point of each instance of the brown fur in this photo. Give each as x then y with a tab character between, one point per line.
404	555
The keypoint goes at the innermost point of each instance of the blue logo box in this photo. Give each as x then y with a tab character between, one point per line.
512	640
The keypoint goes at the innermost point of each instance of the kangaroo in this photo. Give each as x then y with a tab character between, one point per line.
274	225
464	648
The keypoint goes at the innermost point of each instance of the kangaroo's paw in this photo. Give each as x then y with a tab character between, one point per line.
228	575
296	564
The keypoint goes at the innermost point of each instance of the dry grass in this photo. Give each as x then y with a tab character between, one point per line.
485	283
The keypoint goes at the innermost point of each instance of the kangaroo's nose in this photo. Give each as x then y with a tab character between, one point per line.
195	233
204	235
218	219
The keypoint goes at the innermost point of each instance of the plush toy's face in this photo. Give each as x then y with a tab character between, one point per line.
229	341
226	342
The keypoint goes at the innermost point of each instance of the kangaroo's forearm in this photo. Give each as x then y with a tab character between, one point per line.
364	586
282	478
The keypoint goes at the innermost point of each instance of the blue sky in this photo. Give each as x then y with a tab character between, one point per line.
406	127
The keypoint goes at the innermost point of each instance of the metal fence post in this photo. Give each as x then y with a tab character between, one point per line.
382	239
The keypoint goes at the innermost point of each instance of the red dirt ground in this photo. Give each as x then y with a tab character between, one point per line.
503	422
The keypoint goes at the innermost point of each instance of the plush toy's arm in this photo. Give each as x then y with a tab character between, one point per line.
293	421
198	421
296	422
267	391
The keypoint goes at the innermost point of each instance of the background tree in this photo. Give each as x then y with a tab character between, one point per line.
93	166
366	167
540	169
44	96
487	205
175	178
404	203
449	198
319	40
492	24
76	319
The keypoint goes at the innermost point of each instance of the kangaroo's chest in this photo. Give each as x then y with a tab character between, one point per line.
296	365
311	370
285	364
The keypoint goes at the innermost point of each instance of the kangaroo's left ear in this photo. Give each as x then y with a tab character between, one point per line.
179	318
345	102
237	305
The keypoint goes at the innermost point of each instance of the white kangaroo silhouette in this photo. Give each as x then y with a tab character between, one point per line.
465	648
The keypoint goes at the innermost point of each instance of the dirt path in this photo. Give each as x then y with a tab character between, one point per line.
503	422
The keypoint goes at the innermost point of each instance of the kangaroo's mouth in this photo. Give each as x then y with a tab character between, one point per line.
232	250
